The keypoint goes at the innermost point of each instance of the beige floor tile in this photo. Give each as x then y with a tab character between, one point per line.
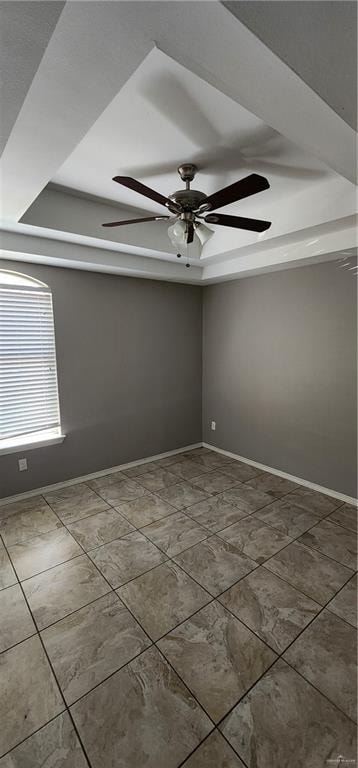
162	598
16	623
255	539
274	485
143	716
91	532
182	495
31	504
29	696
287	517
175	533
128	557
116	489
240	471
214	482
325	654
146	510
43	552
157	479
212	460
7	573
25	525
215	564
313	501
269	606
299	729
334	541
214	752
187	468
217	657
344	604
346	516
55	745
75	501
91	644
214	513
246	498
316	575
61	590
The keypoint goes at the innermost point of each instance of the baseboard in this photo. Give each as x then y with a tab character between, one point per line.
299	480
93	475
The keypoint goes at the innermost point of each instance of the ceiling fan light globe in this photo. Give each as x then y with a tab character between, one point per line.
203	232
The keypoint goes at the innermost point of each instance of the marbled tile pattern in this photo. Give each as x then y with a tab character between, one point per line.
255	539
175	533
16	623
334	541
309	571
214	482
145	510
43	552
299	728
317	503
29	696
25	525
55	745
326	654
214	752
162	598
217	657
274	485
215	564
91	532
270	607
65	588
215	513
344	604
128	557
157	479
75	501
182	495
287	517
218	579
91	644
240	471
346	516
143	716
7	573
117	489
246	498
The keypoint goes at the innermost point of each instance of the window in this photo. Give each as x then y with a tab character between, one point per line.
29	407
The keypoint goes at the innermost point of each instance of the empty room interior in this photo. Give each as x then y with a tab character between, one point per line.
178	384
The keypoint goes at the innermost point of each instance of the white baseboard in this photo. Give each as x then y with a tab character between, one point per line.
93	475
299	480
306	483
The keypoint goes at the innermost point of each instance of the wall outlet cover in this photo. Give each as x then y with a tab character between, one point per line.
22	464
213	425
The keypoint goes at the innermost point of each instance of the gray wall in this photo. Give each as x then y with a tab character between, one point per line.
279	372
129	370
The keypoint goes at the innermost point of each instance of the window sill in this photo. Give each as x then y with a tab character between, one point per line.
35	440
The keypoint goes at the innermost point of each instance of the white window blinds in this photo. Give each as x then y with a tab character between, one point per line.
28	375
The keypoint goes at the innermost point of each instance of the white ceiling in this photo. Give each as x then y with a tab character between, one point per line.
165	108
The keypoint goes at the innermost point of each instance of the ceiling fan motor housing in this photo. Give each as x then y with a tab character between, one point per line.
188	199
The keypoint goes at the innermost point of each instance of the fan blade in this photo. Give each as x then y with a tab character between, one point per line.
190	232
237	191
253	225
142	189
135	221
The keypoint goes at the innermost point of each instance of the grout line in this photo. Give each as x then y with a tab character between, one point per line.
214	599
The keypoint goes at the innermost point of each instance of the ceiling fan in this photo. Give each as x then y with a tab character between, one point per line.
191	206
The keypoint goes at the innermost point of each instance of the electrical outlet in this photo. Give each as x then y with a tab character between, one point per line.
22	464
213	425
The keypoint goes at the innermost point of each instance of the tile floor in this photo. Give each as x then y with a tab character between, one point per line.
192	612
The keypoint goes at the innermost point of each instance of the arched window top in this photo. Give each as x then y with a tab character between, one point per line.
17	280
